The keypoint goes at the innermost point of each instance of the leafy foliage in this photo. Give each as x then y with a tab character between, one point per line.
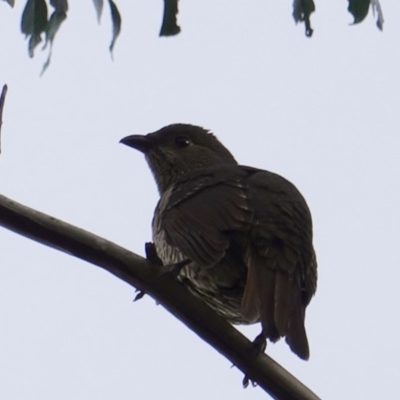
35	21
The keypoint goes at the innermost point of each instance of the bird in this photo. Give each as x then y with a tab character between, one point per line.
243	235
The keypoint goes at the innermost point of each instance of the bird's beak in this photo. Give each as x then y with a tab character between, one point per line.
142	143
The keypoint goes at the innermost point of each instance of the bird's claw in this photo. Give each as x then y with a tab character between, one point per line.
140	295
247	380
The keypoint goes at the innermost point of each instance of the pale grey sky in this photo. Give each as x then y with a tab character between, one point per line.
323	112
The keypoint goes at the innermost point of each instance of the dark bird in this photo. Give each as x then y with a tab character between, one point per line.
246	232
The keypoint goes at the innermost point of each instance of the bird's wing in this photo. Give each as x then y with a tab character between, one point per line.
280	259
202	209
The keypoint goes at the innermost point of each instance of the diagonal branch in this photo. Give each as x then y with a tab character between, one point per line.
141	274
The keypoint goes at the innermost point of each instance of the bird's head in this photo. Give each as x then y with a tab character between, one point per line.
178	149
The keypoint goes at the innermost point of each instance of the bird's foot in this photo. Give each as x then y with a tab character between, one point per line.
260	344
246	381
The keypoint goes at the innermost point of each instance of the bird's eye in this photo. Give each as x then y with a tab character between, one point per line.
182	142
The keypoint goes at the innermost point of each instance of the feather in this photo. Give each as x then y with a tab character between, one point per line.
220	205
258	299
283	301
296	336
251	300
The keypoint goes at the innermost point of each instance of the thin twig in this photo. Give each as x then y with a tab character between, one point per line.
143	275
2	101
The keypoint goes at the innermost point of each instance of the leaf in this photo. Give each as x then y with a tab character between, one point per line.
169	25
98	5
34	18
34	22
377	10
56	19
359	9
116	22
302	9
10	2
33	42
60	6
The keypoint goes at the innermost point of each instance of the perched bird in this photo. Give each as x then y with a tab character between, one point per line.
246	232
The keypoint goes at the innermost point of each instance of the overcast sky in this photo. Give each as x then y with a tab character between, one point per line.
323	112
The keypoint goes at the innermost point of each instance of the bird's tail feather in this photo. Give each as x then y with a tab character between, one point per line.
272	296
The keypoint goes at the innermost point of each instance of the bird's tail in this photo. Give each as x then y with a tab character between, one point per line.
272	296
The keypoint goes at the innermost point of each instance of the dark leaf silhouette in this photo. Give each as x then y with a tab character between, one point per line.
169	25
377	10
34	22
359	9
116	23
60	6
53	25
302	9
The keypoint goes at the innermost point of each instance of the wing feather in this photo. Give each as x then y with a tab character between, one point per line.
202	210
280	260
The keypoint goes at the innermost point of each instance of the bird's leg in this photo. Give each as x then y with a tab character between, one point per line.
260	342
152	256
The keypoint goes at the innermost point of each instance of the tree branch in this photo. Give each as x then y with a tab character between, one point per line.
2	101
141	274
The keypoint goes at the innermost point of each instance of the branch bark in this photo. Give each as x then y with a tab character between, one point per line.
144	276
